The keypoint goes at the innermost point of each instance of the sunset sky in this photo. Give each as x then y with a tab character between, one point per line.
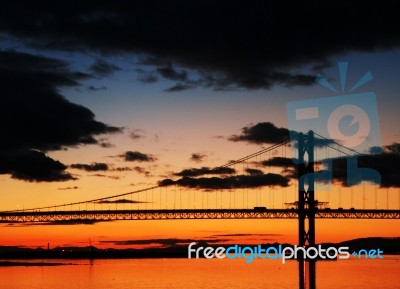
112	97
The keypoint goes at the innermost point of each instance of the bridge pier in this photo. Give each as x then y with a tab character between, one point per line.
306	208
306	204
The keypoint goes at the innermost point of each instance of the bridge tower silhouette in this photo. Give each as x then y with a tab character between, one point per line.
306	204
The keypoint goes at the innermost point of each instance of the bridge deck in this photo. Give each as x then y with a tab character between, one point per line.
111	215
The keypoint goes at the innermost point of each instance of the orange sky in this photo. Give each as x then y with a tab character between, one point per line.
265	231
255	231
23	195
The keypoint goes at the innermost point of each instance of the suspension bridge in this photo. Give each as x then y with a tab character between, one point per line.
263	185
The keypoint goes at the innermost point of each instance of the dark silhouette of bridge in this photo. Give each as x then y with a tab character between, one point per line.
186	214
306	208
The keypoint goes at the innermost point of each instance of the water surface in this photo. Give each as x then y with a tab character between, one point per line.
200	274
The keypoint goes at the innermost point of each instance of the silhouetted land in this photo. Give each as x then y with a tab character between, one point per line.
387	245
30	264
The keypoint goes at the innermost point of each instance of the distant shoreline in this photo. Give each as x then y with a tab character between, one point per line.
389	246
26	263
31	264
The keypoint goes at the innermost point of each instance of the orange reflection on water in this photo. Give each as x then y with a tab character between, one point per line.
202	273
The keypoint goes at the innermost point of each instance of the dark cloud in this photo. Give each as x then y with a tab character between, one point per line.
54	72
178	87
393	148
164	242
142	170
106	176
279	162
102	68
38	118
68	188
135	156
139	170
104	143
268	133
94	167
96	88
99	175
260	133
219	137
290	168
198	157
239	44
119	201
171	73
254	172
122	169
136	134
194	172
238	181
146	76
246	235
33	166
147	79
386	164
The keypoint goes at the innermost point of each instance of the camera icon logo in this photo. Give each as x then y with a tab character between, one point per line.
349	120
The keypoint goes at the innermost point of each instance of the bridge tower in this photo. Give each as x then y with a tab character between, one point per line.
306	207
306	204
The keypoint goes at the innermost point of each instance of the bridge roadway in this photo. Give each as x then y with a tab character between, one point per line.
83	216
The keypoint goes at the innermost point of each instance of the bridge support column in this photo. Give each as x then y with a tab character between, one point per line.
306	205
